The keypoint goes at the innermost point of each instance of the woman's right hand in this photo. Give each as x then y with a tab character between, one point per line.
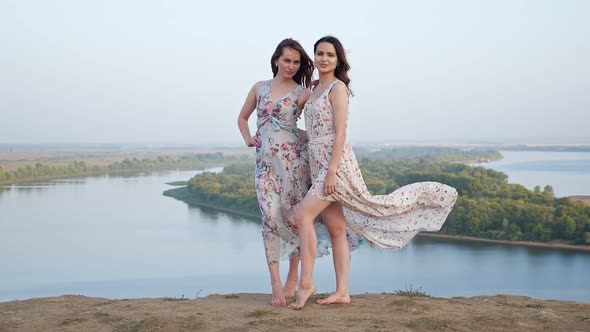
330	183
253	142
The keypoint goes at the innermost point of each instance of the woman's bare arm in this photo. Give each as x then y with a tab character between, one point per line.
339	100
247	110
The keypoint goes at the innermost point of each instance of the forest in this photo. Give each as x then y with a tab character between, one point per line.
487	207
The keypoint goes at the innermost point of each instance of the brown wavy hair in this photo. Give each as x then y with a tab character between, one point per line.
342	67
303	75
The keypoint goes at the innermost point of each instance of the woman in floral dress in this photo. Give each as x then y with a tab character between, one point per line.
338	190
282	169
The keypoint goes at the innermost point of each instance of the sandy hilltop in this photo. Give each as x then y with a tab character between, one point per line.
252	312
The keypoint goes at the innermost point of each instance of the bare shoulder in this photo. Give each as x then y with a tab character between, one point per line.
256	87
339	91
340	87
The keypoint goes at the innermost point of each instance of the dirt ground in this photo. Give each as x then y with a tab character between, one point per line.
252	312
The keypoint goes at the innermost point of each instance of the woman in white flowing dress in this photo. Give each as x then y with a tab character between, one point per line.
338	191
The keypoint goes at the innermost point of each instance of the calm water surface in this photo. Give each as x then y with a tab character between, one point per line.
118	237
567	172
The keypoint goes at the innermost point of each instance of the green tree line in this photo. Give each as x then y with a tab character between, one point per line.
488	206
233	188
41	171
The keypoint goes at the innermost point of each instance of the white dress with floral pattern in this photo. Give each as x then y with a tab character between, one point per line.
386	221
282	175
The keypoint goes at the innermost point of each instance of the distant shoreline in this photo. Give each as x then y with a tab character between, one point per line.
514	243
182	194
581	198
479	162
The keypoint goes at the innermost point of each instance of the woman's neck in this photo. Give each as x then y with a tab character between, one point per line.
327	78
283	79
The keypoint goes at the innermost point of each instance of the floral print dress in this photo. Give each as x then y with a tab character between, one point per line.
282	174
386	221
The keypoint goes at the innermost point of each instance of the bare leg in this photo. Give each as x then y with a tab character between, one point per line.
305	216
334	219
292	278
278	297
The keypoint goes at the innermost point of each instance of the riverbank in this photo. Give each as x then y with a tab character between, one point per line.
182	194
17	168
478	162
123	173
513	243
252	312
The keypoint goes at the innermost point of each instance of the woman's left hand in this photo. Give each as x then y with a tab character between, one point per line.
330	183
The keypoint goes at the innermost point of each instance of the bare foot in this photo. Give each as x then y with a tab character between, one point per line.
336	298
290	288
303	294
278	297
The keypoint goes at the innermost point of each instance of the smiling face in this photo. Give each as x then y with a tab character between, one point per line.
325	57
288	63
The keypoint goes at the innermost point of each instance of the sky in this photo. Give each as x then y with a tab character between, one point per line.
107	71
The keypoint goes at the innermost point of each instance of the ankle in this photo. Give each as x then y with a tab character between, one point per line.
343	291
305	284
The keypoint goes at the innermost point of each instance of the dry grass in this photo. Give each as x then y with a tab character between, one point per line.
411	292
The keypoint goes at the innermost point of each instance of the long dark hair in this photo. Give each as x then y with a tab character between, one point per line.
303	75
342	67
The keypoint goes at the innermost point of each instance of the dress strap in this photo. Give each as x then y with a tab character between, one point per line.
334	83
264	85
329	89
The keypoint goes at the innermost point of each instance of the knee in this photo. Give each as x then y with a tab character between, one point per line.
337	230
301	219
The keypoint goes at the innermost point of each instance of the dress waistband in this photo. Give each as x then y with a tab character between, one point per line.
321	139
277	125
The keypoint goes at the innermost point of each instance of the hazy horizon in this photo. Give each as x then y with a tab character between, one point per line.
574	142
178	72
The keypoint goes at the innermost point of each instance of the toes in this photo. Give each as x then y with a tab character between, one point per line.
278	303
